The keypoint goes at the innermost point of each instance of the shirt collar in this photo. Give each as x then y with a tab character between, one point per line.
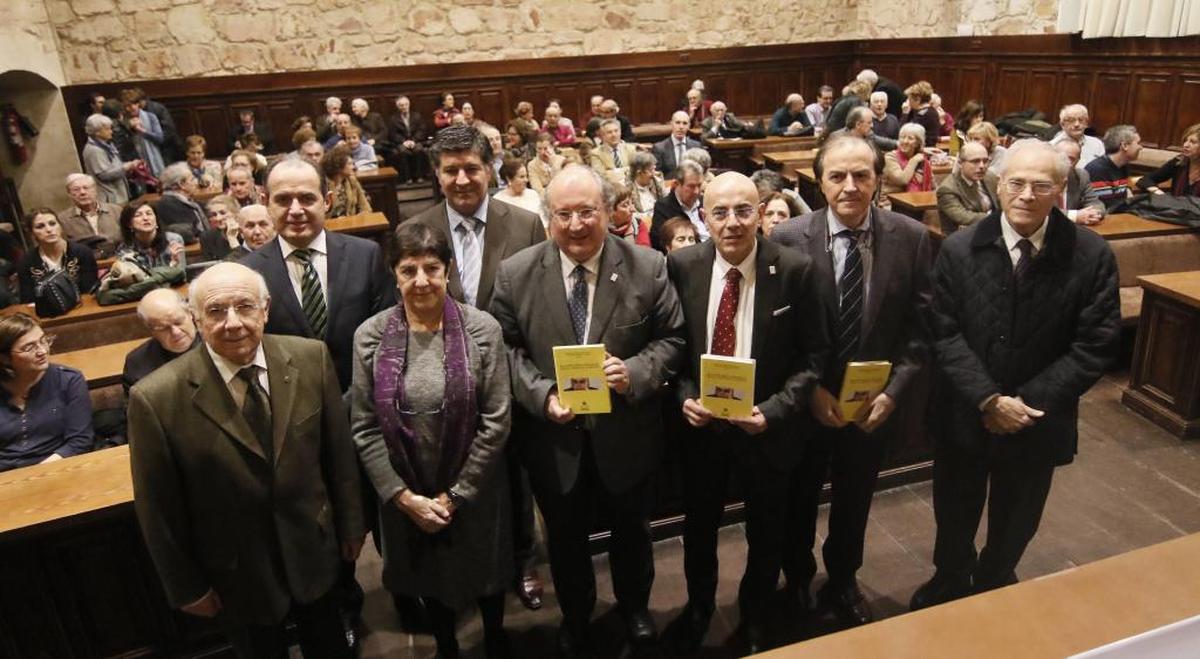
457	218
1011	237
835	225
748	267
695	204
592	265
228	369
317	245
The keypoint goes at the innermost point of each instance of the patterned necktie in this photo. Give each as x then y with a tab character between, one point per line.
616	157
850	298
578	304
678	153
468	270
312	296
724	337
256	409
1026	249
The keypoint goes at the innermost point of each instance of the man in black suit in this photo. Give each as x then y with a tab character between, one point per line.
1025	319
172	333
483	234
587	287
683	201
894	92
747	298
408	135
669	151
872	271
176	211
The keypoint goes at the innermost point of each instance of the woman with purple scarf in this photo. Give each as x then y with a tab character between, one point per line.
430	406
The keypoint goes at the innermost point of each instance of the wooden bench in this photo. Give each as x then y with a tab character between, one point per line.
1163	386
1150	159
734	152
101	365
380	187
758	154
1146	247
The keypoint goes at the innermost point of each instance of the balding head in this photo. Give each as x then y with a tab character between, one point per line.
231	302
731	209
574	192
973	161
794	103
1070	149
680	121
1032	180
164	312
255	227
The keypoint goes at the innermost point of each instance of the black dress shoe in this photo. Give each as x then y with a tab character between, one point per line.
848	604
529	589
411	614
573	641
641	628
689	629
799	596
753	637
939	590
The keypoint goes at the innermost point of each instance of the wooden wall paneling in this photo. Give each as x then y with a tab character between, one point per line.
1041	90
649	100
673	89
1152	107
571	98
1187	107
972	85
1075	87
622	91
1110	95
739	95
490	104
769	88
1010	93
279	115
212	121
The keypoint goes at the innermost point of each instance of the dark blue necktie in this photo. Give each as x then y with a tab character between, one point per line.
578	303
850	299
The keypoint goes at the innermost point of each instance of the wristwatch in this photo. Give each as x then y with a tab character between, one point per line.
456	499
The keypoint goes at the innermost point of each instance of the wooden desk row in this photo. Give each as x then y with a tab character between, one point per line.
1164	381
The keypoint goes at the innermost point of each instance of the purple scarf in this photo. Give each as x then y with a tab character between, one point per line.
458	413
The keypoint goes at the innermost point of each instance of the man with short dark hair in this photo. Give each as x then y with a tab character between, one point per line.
683	200
611	157
1110	173
247	124
818	110
669	152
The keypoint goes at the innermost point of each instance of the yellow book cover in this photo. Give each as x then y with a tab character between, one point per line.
862	383
579	371
727	386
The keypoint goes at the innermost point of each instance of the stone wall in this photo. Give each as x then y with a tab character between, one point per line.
105	40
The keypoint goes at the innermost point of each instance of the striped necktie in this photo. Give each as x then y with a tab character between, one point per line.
312	296
850	299
472	260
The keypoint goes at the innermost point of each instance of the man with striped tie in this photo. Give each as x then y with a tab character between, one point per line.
748	298
872	270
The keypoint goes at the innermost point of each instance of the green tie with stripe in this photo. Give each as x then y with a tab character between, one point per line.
312	298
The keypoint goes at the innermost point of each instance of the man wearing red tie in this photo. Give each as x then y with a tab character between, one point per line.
742	297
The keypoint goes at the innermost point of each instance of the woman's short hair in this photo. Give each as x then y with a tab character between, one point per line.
301	136
12	328
334	161
32	215
621	192
860	89
922	91
523	107
522	129
442	97
985	130
510	167
639	162
699	156
126	221
95	123
914	129
195	140
792	206
255	166
673	226
225	200
1194	129
414	239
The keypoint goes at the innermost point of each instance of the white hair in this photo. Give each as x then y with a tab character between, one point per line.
77	177
875	95
699	156
143	306
713	107
679	113
916	130
360	103
198	284
174	175
793	98
333	102
96	123
1074	108
869	76
1062	166
698	85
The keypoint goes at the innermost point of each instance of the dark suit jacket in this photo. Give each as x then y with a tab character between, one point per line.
173	210
373	127
509	230
898	293
415	130
214	246
789	344
359	286
214	511
262	129
664	209
1046	340
960	206
1080	194
635	314
664	153
145	359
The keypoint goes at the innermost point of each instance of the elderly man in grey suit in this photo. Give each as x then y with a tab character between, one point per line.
968	195
90	221
588	287
1079	201
245	479
872	270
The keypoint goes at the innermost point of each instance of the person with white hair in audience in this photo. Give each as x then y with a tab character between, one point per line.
374	129
723	123
312	151
1074	121
89	220
176	209
883	123
327	123
165	314
644	185
221	237
242	187
907	169
698	108
1079	200
1110	173
700	156
859	121
101	160
791	118
879	83
408	136
560	128
254	228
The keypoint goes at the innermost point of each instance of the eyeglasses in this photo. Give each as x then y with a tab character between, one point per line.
44	343
743	212
585	214
1040	188
219	313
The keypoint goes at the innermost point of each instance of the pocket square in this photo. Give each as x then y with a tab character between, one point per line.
782	310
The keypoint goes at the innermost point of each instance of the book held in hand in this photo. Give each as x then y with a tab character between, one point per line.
727	386
861	384
579	371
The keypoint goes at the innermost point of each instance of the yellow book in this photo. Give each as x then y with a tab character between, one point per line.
727	386
579	371
862	383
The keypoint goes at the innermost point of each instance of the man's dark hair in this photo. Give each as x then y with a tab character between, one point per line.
837	139
460	139
417	239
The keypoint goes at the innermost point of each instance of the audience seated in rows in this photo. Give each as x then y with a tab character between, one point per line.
326	124
361	153
860	122
723	124
338	133
697	108
612	156
560	128
519	140
445	112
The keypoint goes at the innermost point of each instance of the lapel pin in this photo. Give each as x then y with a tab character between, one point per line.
772	269
613	277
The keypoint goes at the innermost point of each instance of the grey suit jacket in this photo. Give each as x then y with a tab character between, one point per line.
898	293
77	228
635	314
1080	194
215	511
664	153
960	206
509	230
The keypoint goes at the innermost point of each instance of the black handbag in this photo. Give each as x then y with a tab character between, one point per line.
55	295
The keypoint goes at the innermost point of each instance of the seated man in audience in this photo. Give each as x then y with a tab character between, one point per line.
242	187
361	153
90	221
722	123
859	122
560	128
883	122
593	111
408	137
374	130
496	141
610	110
769	182
696	107
669	152
176	210
791	119
1110	172
1025	319
1074	121
611	157
684	200
165	314
818	110
312	151
255	230
338	133
969	195
247	125
326	124
1079	200
545	164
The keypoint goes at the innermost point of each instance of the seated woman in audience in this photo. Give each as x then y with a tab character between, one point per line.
921	112
945	120
701	157
208	173
677	233
53	253
148	258
627	224
1181	174
222	236
430	414
986	134
969	116
907	169
545	165
776	207
468	115
252	161
348	195
361	153
561	130
103	162
523	115
301	122
645	186
242	187
446	111
47	411
516	190
518	141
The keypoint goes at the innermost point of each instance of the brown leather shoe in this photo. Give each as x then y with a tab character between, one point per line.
529	589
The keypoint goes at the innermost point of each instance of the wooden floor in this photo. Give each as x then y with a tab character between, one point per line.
1132	485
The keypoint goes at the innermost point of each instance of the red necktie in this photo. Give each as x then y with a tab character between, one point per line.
724	338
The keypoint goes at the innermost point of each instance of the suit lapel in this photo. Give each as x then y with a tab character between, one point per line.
335	264
700	275
881	268
495	239
766	295
552	286
818	237
283	377
214	401
276	273
609	285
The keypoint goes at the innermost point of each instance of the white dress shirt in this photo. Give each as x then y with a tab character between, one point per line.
229	370
1090	147
693	214
839	247
320	260
1011	238
743	320
456	236
592	266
